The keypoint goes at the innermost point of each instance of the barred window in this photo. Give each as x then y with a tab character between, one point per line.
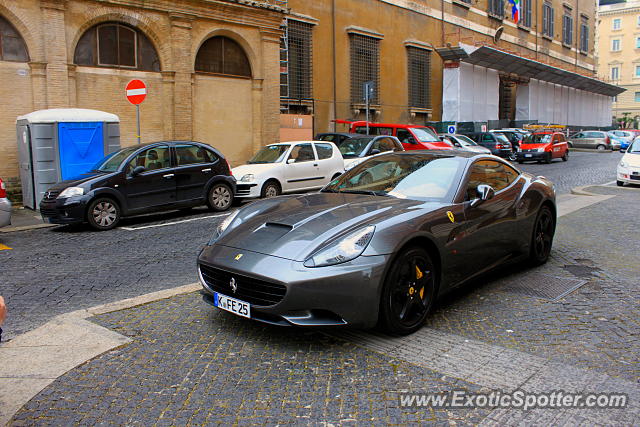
567	28
222	55
116	45
365	66
496	8
547	20
584	36
299	54
12	46
419	77
525	13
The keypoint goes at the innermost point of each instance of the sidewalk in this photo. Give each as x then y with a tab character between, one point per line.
188	363
25	219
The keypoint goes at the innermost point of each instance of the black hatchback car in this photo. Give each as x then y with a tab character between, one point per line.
498	143
140	179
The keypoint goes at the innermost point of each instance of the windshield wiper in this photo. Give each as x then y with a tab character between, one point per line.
370	192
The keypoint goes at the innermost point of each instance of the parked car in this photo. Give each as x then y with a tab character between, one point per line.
543	147
140	179
288	167
590	139
463	142
624	134
629	167
363	252
624	144
514	137
359	148
335	137
5	206
617	141
412	137
497	143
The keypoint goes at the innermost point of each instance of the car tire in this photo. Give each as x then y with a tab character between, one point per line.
542	237
547	159
601	147
520	162
512	157
103	214
570	145
619	183
566	156
271	188
408	293
219	197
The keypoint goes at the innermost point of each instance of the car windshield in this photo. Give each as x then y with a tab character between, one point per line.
425	135
112	162
270	154
537	138
353	147
418	176
465	140
635	147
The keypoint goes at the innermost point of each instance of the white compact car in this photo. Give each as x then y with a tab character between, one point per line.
629	167
464	143
288	167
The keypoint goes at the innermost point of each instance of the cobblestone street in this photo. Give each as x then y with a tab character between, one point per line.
190	364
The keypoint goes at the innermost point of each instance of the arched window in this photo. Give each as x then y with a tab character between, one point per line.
12	46
222	55
116	45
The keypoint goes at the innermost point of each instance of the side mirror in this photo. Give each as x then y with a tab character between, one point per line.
289	161
484	192
375	151
138	170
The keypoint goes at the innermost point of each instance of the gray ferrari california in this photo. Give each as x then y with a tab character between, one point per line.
380	243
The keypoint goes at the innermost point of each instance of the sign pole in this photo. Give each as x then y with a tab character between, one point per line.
366	101
138	120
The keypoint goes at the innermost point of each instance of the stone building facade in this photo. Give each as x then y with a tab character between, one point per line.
398	44
82	53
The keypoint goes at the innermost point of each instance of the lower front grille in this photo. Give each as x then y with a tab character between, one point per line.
48	212
253	291
244	189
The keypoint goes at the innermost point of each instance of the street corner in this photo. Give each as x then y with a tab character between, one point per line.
190	365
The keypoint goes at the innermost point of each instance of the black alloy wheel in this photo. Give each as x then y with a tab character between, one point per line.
542	238
220	197
409	292
103	214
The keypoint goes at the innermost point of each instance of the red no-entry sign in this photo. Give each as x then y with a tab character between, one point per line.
136	91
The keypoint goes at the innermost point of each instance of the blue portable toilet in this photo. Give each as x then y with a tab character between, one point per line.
59	144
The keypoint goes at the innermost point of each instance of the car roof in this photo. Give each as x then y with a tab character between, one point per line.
349	134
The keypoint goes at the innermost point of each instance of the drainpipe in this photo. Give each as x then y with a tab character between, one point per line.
577	38
442	21
333	38
537	10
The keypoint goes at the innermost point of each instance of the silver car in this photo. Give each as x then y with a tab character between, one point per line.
590	139
5	206
463	142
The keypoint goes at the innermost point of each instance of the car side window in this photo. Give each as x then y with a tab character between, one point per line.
325	151
383	144
151	159
405	136
489	172
578	135
302	153
189	154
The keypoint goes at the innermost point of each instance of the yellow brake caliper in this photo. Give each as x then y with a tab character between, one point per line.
419	275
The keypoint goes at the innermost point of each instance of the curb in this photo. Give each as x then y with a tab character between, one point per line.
580	191
33	360
592	150
25	228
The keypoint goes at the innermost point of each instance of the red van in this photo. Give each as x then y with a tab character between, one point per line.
543	147
412	137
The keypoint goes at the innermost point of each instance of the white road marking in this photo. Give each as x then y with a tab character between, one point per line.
172	223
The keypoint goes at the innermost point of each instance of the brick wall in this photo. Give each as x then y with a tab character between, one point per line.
235	115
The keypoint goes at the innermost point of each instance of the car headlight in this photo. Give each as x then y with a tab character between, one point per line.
343	249
247	177
222	227
623	164
541	150
70	192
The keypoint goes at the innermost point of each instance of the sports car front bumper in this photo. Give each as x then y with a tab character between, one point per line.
344	294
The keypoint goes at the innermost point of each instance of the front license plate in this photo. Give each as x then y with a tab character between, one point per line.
232	305
528	155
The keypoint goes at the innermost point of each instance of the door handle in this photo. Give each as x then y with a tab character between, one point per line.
169	175
206	170
315	164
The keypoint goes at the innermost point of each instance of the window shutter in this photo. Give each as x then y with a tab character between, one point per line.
545	19
551	22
